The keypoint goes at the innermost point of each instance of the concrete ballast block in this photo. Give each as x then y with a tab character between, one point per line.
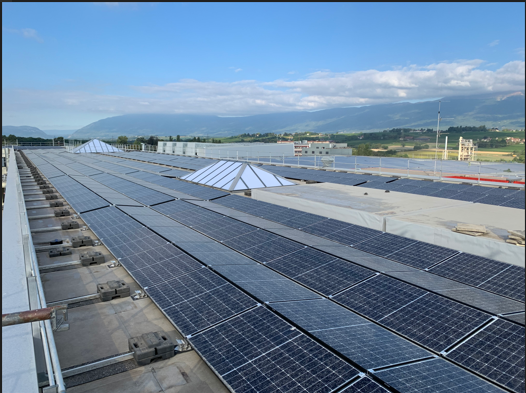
150	346
80	241
91	258
69	224
113	290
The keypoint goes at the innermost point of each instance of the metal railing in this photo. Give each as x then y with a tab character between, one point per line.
403	167
54	372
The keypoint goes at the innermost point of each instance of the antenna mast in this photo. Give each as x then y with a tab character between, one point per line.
438	131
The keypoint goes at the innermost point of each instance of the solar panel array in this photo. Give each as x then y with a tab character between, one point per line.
193	163
462	192
200	192
141	194
509	282
316	344
484	273
78	196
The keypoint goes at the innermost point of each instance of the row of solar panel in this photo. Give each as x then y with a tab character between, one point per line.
132	190
193	163
370	343
184	187
463	192
196	299
493	196
431	320
488	274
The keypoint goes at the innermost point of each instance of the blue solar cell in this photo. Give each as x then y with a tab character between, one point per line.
270	250
470	269
384	244
326	227
300	262
421	255
496	352
334	276
371	346
277	290
257	351
209	308
435	322
434	376
322	314
379	296
509	282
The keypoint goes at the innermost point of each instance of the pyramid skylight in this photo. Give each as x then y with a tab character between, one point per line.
234	176
96	146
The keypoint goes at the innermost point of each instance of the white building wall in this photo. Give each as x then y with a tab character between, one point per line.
226	150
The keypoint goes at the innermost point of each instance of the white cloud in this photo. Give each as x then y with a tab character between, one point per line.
320	90
26	33
494	43
520	52
291	72
238	69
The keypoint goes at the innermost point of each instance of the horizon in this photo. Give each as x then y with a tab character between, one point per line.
237	60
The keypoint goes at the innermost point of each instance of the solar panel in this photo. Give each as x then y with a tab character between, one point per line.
364	385
270	250
356	338
379	296
444	193
419	191
371	346
135	191
421	255
517	203
257	351
326	227
435	375
305	220
277	290
473	269
435	322
385	244
468	196
179	289
212	307
248	240
151	271
300	262
79	197
223	258
509	282
322	314
496	352
491	200
353	234
255	272
334	276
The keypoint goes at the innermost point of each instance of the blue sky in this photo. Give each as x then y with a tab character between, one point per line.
65	65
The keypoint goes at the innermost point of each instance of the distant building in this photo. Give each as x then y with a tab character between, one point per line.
327	148
227	150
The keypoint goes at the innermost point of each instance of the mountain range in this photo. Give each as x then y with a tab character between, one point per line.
504	110
34	132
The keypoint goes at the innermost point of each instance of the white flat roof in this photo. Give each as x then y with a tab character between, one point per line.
424	218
